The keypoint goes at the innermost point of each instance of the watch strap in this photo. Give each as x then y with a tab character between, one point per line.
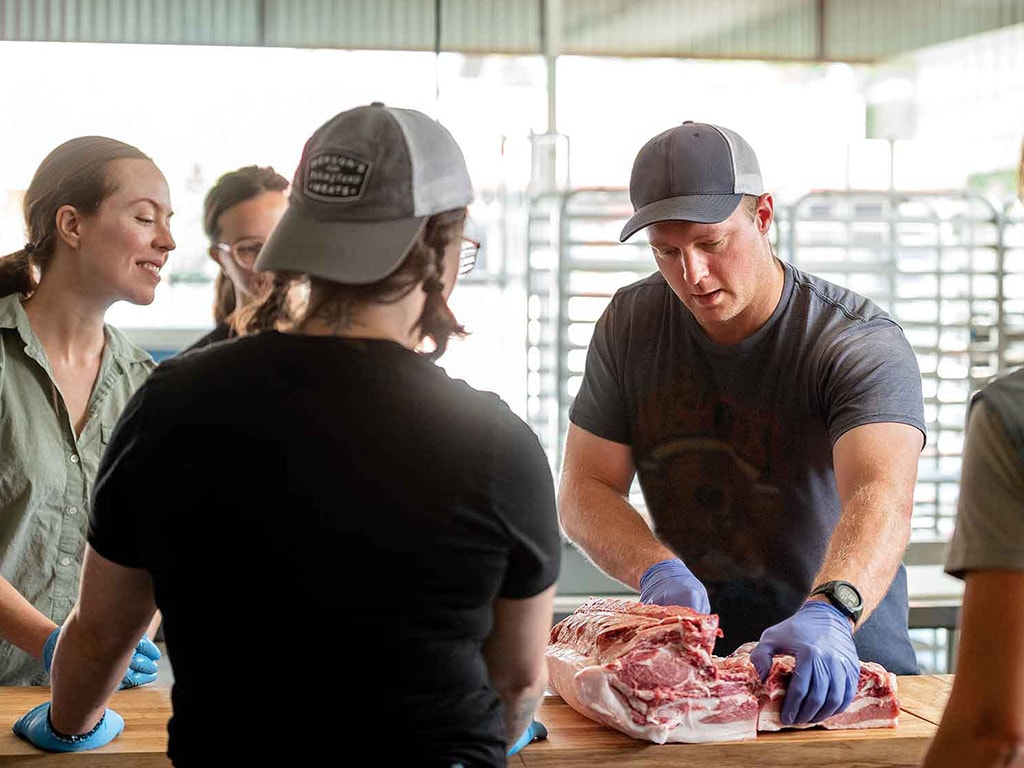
828	589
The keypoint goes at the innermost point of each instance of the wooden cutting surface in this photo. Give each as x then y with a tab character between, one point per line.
142	744
574	740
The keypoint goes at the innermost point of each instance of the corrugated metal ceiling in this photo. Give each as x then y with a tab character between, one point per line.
802	30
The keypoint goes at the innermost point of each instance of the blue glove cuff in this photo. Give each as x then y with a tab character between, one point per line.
672	565
75	738
818	606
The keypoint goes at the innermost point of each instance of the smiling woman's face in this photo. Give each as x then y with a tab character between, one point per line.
123	245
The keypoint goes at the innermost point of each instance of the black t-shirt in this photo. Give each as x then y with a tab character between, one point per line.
733	444
220	332
327	522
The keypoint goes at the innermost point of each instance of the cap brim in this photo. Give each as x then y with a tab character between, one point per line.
356	253
702	209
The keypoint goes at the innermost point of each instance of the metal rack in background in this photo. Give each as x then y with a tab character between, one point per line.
937	262
949	266
575	263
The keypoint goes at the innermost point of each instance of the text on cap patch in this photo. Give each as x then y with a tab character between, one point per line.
334	176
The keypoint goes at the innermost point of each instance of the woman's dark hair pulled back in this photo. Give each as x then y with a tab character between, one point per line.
229	190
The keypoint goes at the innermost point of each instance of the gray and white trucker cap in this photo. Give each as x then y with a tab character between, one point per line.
368	180
693	172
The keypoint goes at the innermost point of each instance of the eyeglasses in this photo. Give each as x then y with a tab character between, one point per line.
467	255
244	251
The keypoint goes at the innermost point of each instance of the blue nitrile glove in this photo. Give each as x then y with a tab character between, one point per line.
827	668
34	726
142	669
671	583
535	731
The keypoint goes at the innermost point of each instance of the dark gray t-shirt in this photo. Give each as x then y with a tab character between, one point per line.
733	444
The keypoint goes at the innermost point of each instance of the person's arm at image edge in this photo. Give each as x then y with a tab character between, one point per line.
983	722
114	608
594	509
515	653
20	623
876	472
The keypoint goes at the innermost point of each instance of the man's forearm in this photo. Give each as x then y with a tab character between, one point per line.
609	530
867	545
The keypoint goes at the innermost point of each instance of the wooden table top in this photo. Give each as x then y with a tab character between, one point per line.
573	740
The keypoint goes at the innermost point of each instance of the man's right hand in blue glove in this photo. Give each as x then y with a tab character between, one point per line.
827	669
142	669
671	583
35	727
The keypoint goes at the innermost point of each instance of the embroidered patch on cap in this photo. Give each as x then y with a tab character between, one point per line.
333	176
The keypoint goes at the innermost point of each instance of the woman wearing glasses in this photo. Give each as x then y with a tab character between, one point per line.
390	530
97	220
239	212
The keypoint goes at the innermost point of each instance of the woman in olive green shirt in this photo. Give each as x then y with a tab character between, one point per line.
97	213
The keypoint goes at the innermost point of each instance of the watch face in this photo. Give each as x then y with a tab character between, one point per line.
847	596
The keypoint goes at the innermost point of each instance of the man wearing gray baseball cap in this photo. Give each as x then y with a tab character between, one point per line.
391	530
774	420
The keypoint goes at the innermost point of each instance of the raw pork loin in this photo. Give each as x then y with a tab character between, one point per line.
648	671
874	704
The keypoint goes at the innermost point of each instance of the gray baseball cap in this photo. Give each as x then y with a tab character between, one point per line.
693	172
368	180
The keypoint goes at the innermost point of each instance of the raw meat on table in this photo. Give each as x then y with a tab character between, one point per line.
648	671
874	705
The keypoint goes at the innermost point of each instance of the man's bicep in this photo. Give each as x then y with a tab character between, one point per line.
880	452
588	457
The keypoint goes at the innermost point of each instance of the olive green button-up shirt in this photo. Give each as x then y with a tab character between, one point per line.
47	472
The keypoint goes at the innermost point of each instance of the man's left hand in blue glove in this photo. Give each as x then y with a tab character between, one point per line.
35	727
142	669
827	669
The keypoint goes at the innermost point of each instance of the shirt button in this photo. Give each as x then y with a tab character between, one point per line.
72	510
65	561
74	458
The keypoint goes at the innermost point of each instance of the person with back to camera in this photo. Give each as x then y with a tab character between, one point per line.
239	212
774	420
983	722
97	216
408	512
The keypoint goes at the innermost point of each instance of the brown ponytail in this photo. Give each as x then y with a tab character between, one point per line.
17	273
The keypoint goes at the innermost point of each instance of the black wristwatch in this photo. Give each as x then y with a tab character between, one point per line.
844	596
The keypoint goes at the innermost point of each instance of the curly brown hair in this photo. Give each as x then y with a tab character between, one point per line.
332	302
